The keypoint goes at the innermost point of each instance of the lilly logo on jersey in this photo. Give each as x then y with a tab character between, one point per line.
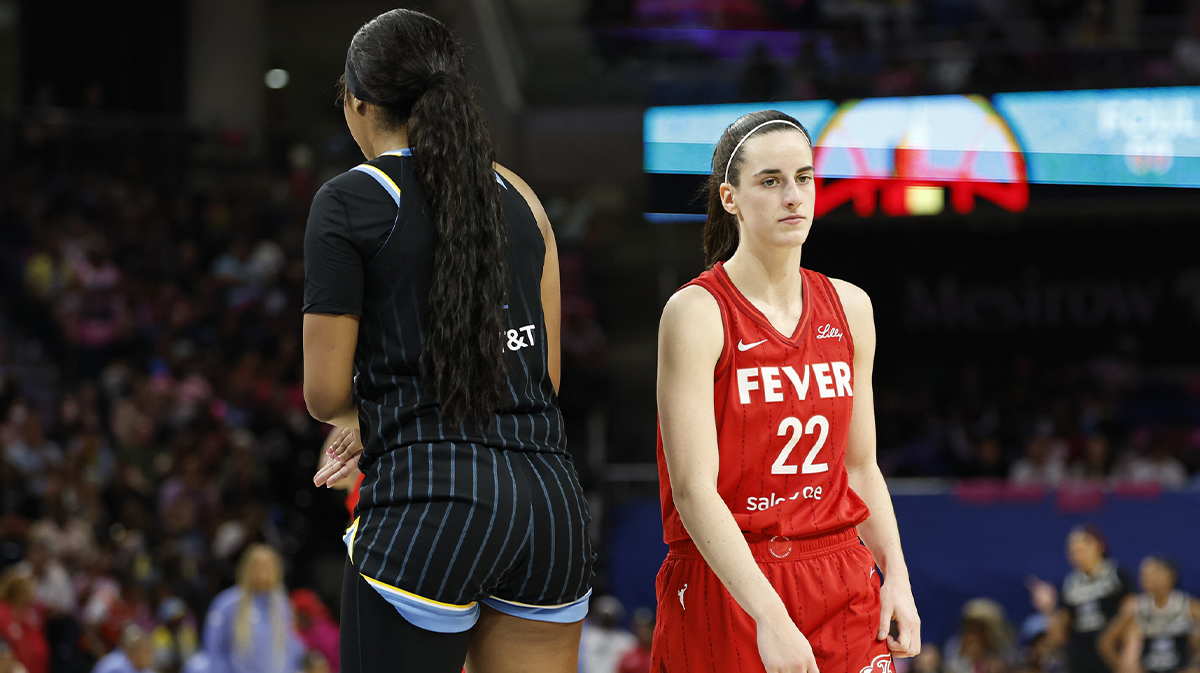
829	332
832	378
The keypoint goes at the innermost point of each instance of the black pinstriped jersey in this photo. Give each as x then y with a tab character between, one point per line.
369	252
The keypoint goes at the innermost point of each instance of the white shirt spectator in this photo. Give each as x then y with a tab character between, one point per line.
601	649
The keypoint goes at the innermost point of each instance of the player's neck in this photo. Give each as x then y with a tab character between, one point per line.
768	275
1161	598
390	140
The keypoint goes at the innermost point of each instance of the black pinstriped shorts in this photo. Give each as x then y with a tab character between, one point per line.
443	527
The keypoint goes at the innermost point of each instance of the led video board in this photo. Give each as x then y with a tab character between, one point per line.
908	155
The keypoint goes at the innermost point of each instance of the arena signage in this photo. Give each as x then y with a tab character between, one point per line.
911	156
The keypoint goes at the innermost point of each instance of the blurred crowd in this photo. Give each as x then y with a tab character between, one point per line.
1096	621
1110	421
812	49
155	449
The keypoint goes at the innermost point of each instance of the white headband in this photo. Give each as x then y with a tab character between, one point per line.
739	145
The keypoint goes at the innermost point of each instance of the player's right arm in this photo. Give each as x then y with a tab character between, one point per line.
1111	643
690	339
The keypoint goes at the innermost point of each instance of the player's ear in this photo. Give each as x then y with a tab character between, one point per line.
728	200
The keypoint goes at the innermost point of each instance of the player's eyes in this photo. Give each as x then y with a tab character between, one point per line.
770	182
804	179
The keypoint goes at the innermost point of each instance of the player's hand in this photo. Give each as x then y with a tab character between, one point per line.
784	649
340	458
896	602
1042	595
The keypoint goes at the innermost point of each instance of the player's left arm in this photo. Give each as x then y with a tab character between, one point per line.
879	532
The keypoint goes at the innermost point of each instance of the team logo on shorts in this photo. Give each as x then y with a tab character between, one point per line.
880	664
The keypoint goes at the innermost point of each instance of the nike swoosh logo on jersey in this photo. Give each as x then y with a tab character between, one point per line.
746	347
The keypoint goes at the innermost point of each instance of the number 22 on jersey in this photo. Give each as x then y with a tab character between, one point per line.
797	430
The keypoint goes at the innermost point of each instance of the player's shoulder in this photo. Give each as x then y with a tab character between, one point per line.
526	192
691	302
854	299
691	323
226	598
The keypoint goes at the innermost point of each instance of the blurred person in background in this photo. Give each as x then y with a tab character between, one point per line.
175	637
315	662
8	661
1091	596
928	661
1044	463
1158	630
315	627
21	622
134	655
984	642
637	660
249	625
448	329
1039	652
603	641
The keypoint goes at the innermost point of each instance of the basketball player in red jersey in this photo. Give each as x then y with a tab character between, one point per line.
767	461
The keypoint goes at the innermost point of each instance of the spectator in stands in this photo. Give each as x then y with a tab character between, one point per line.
637	660
175	638
987	460
249	625
984	641
1096	461
21	622
135	654
1157	466
53	589
8	662
1042	464
1039	654
27	449
603	642
316	628
928	661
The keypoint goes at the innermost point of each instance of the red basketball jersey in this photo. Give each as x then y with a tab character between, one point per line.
782	408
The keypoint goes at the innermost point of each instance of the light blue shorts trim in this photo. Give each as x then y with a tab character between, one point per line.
567	613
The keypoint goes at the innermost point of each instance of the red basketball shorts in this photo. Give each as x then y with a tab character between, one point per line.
828	584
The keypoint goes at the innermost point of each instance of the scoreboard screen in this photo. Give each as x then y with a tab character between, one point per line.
920	155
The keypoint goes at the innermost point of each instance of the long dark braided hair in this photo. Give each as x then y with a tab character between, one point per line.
410	65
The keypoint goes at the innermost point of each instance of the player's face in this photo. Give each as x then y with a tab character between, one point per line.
1155	577
1083	551
264	572
775	194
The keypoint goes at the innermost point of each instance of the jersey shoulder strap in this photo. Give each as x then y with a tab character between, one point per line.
711	284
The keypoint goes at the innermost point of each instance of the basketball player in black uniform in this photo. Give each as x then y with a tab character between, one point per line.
1091	596
1157	631
431	334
